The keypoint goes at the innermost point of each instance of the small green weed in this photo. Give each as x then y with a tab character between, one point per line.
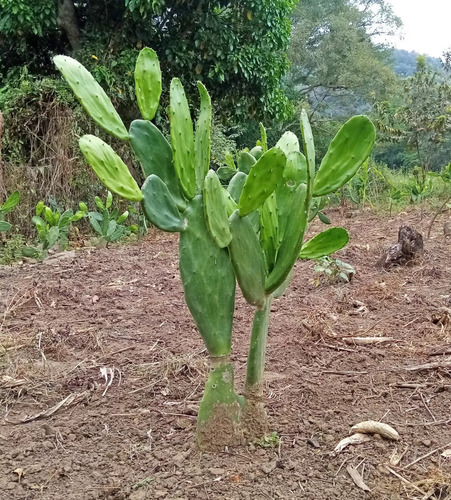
268	440
11	249
334	270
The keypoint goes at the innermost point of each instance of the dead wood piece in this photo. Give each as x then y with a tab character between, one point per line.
439	351
367	340
410	244
445	363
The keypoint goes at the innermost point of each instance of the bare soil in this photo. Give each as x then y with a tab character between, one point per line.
69	325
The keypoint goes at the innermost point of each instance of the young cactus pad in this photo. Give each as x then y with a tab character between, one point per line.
110	169
91	96
148	82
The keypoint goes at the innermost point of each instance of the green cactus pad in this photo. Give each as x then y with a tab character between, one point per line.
256	152
309	148
269	231
159	206
148	82
110	169
325	243
202	141
215	205
182	139
262	180
225	173
91	96
347	151
288	143
208	280
291	243
278	292
295	170
155	156
263	138
245	161
236	184
247	259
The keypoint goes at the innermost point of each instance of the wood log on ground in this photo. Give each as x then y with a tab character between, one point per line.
410	244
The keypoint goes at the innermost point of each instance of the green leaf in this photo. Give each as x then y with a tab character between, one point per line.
5	226
323	218
109	200
10	203
324	243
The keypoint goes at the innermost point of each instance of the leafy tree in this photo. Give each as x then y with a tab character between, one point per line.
420	117
237	49
333	52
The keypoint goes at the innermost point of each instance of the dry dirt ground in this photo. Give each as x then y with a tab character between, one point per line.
69	430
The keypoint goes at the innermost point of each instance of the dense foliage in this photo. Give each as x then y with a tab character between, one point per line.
238	49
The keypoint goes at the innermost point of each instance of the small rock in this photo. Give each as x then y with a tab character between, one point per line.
269	467
10	486
160	494
216	471
313	442
427	442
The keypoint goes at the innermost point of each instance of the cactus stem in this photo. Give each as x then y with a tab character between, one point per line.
255	421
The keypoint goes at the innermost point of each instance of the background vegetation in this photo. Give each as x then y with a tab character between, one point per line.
260	60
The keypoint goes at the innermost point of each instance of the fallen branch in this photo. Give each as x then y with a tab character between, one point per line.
427	455
367	340
404	480
445	363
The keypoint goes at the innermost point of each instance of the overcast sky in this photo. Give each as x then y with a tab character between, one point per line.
427	25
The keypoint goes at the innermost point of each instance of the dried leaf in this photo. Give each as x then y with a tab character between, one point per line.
373	427
357	478
446	453
356	438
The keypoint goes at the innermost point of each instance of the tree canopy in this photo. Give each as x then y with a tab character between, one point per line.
334	49
237	48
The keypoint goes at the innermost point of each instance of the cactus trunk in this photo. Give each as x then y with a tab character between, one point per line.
255	421
219	417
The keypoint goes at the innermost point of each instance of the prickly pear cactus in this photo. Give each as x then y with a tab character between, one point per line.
251	231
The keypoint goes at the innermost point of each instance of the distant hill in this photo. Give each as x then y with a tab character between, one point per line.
405	62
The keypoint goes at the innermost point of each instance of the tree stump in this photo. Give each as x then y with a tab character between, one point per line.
410	244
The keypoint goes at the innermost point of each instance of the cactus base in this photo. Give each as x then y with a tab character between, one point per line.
219	418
